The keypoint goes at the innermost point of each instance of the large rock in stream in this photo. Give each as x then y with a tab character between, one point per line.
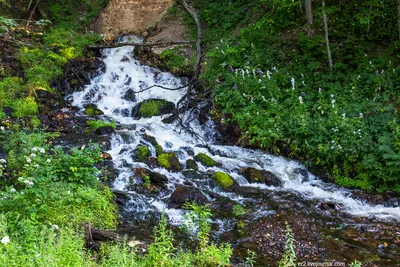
152	107
254	175
224	180
184	194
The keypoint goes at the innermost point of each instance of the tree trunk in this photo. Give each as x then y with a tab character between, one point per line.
328	48
301	7
398	16
309	16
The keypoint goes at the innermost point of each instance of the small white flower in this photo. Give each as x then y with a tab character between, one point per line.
12	190
36	165
301	100
28	159
83	147
48	160
20	179
3	161
41	150
319	90
361	115
344	115
2	128
68	192
332	96
55	227
33	155
35	149
5	240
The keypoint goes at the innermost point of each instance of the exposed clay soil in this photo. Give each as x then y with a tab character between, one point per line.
130	17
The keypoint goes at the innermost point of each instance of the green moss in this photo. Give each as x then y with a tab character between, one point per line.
159	150
96	124
206	160
191	164
169	161
224	180
151	108
142	153
91	111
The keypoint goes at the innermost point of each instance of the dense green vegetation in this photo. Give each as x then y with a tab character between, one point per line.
274	81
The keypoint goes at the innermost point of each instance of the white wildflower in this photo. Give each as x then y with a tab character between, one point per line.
361	115
2	128
20	179
301	100
12	190
33	155
344	115
3	161
83	147
319	90
42	150
293	82
5	240
35	149
28	159
48	160
332	96
55	227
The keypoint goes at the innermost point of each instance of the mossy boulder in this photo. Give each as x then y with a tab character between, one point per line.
205	160
142	153
92	110
169	161
192	165
153	107
254	175
224	180
153	141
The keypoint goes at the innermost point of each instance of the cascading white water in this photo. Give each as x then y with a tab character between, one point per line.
123	72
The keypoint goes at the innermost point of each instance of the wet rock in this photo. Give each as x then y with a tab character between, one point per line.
303	174
48	101
78	73
191	174
327	205
170	119
156	178
224	180
153	107
188	150
169	161
130	95
191	164
105	130
254	175
184	194
92	110
120	197
205	160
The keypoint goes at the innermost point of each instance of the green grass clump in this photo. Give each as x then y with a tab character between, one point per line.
151	108
96	124
206	160
223	179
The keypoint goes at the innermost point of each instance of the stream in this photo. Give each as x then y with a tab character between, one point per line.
329	222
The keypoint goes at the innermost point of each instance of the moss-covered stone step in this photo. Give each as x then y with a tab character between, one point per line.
206	160
169	161
224	180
